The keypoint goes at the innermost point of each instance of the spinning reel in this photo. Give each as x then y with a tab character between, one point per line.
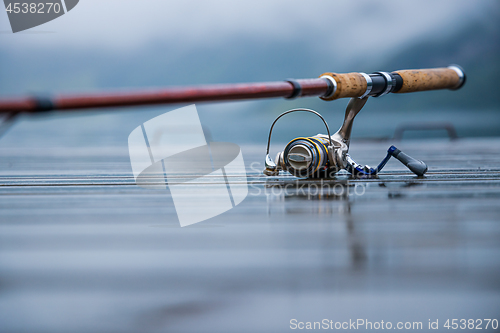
322	156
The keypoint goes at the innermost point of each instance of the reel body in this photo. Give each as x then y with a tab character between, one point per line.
322	156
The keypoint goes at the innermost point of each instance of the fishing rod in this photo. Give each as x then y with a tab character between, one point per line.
329	86
311	157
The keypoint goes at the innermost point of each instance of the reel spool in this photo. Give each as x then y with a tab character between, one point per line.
306	157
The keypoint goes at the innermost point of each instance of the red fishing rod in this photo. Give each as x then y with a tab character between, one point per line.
320	156
329	86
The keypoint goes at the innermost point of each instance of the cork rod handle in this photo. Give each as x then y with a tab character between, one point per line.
429	79
403	81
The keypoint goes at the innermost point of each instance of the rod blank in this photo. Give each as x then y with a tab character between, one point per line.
331	87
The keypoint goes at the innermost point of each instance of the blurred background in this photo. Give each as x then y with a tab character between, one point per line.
117	44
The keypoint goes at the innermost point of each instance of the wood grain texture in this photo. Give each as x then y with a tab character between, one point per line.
348	85
428	79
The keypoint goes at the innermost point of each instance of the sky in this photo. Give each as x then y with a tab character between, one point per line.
125	25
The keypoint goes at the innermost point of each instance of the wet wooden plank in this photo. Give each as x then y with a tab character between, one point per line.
82	248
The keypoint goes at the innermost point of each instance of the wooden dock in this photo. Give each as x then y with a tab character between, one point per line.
83	249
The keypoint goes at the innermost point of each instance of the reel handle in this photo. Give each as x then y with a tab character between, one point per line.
416	166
